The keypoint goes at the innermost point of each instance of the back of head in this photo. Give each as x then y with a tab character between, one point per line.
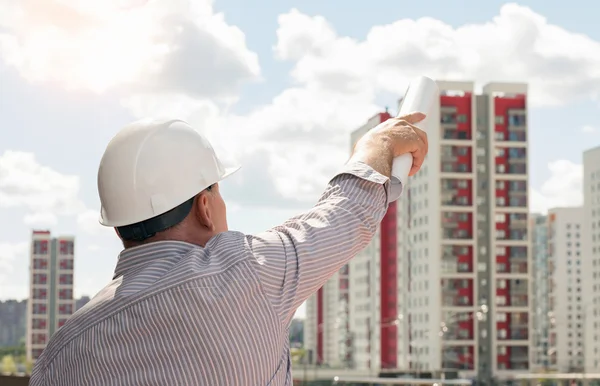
149	169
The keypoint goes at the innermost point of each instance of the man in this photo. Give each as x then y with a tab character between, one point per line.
192	303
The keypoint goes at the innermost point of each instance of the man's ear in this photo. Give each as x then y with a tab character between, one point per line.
203	212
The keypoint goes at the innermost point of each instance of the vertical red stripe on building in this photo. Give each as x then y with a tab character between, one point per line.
388	285
319	358
389	289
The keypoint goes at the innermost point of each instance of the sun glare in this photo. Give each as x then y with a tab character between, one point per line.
114	45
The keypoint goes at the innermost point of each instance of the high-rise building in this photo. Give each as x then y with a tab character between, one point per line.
561	305
51	289
591	263
445	284
541	296
12	322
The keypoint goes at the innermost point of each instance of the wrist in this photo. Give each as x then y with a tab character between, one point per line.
375	150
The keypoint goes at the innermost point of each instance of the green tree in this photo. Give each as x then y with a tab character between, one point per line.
28	366
8	364
14	350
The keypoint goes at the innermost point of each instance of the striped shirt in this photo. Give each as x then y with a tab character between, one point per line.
180	314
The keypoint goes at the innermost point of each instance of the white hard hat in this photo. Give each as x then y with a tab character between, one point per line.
153	166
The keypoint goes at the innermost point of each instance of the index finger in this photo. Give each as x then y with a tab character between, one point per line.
423	135
420	152
413	118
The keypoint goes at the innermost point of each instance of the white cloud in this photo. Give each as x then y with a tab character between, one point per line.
11	255
564	188
9	252
44	192
589	129
40	189
88	221
337	79
149	46
40	219
516	45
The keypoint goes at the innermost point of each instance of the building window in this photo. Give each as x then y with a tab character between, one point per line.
40	264
65	309
65	279
39	309
65	294
40	278
38	324
38	338
66	264
40	293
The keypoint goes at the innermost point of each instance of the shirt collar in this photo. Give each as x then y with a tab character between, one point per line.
137	257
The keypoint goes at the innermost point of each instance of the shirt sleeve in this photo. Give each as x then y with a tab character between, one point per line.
296	258
38	375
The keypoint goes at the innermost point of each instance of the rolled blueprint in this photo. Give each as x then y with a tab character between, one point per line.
421	96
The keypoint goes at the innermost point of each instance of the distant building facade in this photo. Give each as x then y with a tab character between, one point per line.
51	289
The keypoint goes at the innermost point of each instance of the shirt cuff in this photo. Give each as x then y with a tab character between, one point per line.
362	170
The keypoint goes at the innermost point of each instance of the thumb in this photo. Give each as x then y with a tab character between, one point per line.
413	118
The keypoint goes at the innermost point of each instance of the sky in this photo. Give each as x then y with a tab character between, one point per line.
275	85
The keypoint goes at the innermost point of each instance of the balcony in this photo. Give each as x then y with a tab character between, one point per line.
457	292
517	120
66	247
518	220
454	134
457	225
66	264
513	357
38	338
452	265
511	168
40	279
519	357
513	259
519	333
38	324
41	264
65	309
454	332
511	160
40	294
519	234
512	292
516	267
455	159
456	192
448	115
65	279
513	136
457	259
40	247
459	358
512	326
39	309
511	194
457	326
517	253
